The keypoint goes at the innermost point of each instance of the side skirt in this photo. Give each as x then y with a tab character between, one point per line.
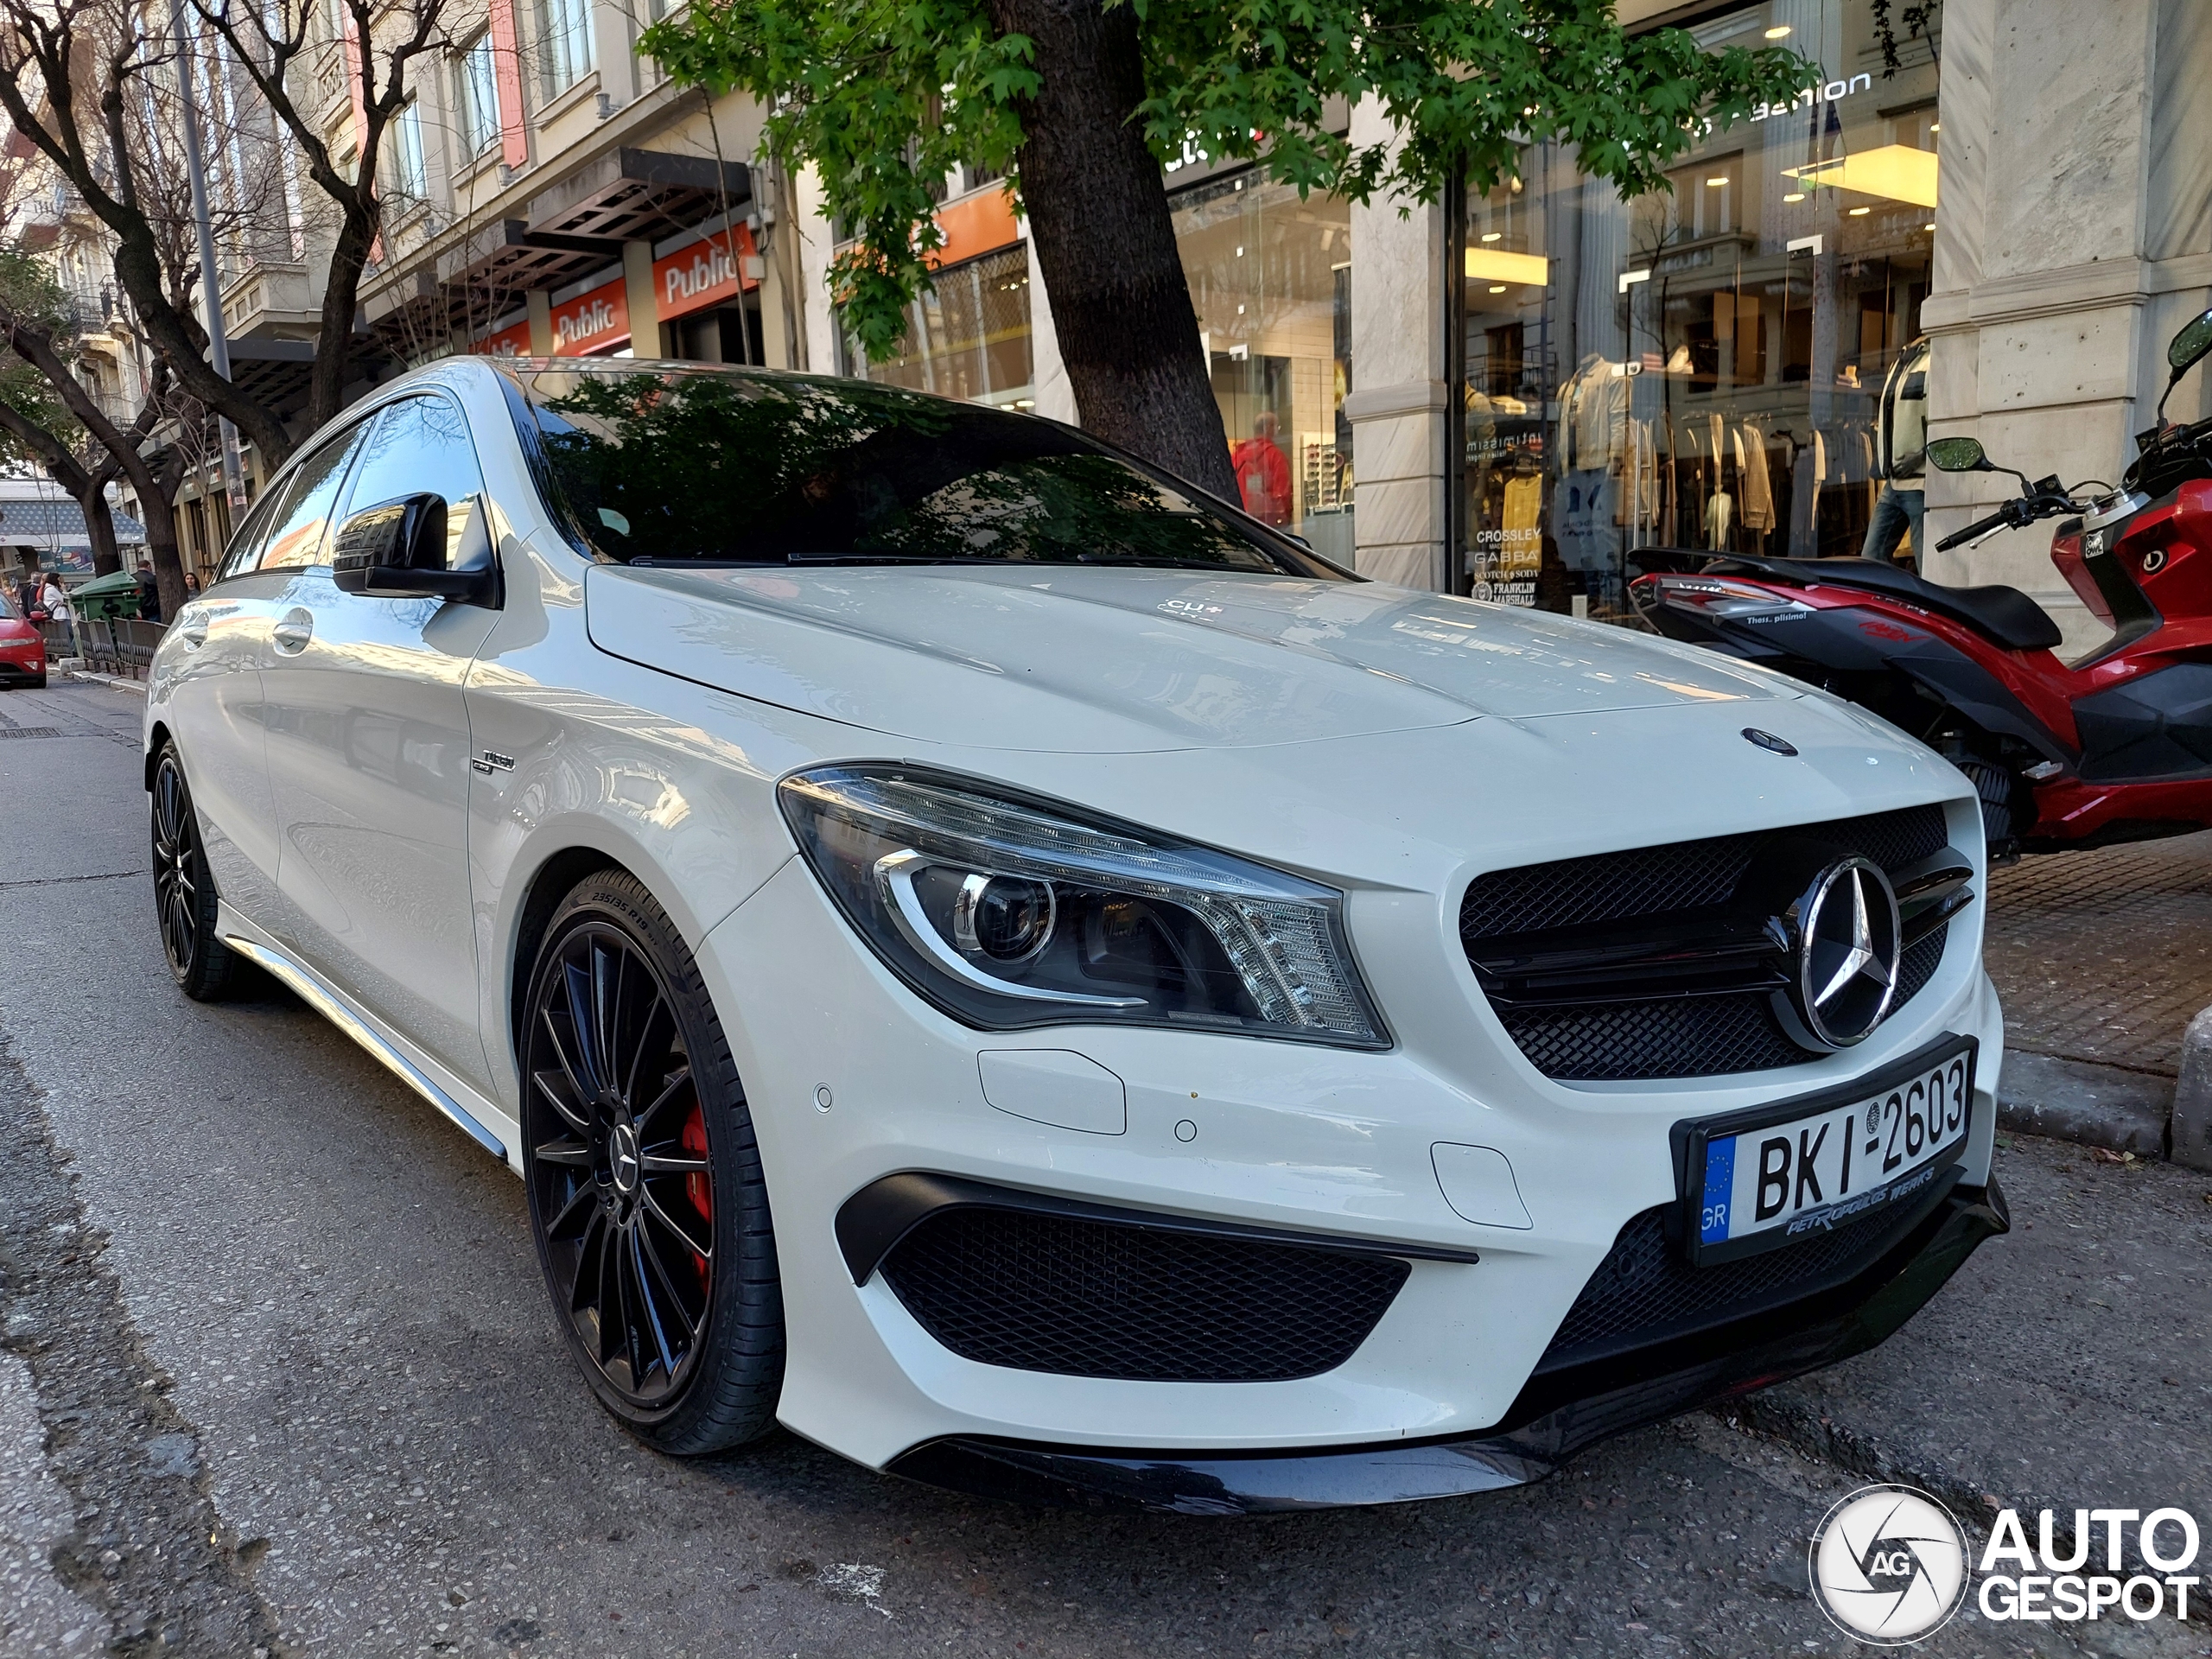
257	948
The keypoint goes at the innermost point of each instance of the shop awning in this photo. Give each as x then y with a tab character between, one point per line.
58	527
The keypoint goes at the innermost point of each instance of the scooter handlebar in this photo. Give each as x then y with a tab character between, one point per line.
1980	527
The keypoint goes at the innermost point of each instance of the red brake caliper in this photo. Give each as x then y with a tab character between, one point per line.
699	1188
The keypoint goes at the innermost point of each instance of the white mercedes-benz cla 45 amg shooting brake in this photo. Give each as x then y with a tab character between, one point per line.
992	958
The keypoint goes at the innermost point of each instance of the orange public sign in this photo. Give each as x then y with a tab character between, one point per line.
706	273
592	322
508	342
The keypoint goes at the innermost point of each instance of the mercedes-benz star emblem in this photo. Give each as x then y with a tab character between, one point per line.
1847	952
622	1147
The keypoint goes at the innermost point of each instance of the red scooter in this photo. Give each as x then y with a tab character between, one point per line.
2113	746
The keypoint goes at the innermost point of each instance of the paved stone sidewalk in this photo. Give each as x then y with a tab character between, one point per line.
2104	957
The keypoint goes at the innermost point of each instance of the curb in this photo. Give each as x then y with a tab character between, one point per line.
2097	1105
2192	1130
115	680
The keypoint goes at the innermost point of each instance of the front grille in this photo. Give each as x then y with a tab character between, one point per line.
1646	1290
1688	1037
1711	1035
1082	1297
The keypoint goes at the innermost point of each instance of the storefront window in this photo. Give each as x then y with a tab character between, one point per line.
967	334
1270	278
1699	369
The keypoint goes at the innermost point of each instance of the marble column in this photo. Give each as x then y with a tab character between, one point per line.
1397	398
2075	235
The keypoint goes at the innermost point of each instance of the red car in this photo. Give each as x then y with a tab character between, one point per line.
23	648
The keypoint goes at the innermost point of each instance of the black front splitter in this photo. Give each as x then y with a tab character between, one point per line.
1533	1440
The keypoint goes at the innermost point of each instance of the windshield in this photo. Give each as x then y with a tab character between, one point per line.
668	467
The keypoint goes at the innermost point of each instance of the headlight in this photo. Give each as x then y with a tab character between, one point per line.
1008	913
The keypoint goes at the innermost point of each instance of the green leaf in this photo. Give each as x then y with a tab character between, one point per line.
883	98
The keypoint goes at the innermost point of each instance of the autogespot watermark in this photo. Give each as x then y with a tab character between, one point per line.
1890	1566
2049	1586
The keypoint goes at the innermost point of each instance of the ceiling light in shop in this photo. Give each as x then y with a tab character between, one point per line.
1861	212
1929	225
1497	287
1714	184
1493	236
1240	253
1897	172
1795	195
1935	126
1496	265
1779	32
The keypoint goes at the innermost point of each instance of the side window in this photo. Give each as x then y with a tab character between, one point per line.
299	536
421	445
245	550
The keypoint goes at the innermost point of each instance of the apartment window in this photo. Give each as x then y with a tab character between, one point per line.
564	43
477	98
409	181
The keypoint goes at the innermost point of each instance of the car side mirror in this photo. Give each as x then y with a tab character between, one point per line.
397	550
1958	456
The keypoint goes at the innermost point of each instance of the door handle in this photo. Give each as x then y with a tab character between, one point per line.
293	631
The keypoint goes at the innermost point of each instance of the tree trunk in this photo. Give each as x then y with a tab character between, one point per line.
155	495
1106	243
328	376
100	529
159	505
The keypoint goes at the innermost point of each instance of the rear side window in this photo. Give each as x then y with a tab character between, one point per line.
245	550
300	533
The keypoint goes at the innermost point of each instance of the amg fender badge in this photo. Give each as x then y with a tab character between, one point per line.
1769	740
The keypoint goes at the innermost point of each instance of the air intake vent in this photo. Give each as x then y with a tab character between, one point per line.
1083	1298
1645	1290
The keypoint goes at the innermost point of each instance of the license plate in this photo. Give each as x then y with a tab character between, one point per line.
1764	1178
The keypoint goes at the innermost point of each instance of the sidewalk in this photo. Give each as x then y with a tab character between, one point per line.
2102	958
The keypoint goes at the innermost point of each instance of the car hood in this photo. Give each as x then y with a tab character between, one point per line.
1091	659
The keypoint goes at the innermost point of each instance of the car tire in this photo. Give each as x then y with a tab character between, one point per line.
184	890
647	1198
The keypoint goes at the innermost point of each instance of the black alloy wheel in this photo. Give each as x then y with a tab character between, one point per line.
184	890
645	1193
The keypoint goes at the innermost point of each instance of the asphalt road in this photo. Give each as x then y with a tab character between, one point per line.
277	1375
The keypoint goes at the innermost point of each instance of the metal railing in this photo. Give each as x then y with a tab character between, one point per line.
124	646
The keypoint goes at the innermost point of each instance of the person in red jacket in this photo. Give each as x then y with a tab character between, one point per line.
1262	472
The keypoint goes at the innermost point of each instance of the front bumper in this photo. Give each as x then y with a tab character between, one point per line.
851	1080
1556	1415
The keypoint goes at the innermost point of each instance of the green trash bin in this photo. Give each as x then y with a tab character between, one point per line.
105	598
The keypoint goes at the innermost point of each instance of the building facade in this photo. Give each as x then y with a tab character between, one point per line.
1519	394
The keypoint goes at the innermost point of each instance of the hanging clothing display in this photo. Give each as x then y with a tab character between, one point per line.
1719	512
1521	542
1751	465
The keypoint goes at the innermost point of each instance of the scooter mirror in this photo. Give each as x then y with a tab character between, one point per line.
1957	455
2191	344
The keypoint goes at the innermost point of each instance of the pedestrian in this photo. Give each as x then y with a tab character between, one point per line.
1263	472
27	592
149	594
191	584
1902	461
54	599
